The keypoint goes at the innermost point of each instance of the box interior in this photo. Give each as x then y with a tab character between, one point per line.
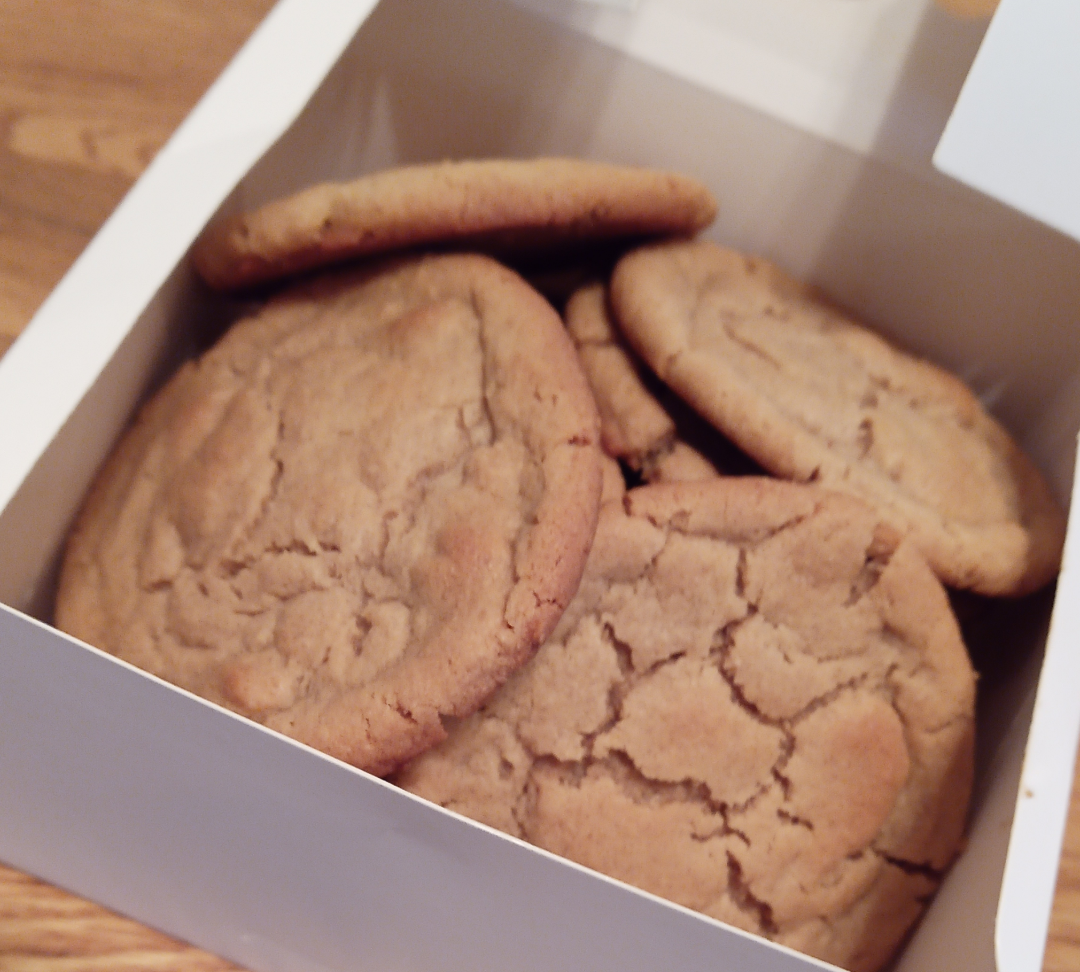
938	268
870	75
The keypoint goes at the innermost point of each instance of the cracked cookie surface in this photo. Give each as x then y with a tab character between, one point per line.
758	705
499	206
814	397
354	516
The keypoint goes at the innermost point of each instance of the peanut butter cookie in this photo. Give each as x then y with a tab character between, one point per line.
500	206
634	425
814	397
758	705
356	515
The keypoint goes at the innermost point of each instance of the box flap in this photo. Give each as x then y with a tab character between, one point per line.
1015	131
849	72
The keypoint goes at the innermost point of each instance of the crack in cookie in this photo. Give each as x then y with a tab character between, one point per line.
716	718
813	396
362	512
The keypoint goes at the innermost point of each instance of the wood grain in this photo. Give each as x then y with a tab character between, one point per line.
970	8
1063	941
89	91
43	929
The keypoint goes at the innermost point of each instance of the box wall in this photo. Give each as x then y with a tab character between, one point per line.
195	821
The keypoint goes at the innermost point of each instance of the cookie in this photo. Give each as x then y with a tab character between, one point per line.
501	206
634	426
758	706
812	396
614	485
682	463
356	515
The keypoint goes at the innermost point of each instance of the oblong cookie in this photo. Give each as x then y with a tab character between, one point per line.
634	425
814	397
758	705
499	205
354	516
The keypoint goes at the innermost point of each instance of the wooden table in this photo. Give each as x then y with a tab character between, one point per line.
89	90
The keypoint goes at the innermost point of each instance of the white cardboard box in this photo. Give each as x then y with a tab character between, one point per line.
193	820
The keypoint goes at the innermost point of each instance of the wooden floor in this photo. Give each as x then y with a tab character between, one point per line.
89	90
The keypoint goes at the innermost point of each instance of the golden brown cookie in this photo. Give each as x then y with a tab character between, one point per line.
354	516
814	397
497	205
682	463
614	485
634	426
758	705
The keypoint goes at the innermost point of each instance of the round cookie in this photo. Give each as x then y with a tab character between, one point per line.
634	426
501	206
354	516
758	705
814	397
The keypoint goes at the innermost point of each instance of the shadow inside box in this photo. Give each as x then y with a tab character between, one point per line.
1005	639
